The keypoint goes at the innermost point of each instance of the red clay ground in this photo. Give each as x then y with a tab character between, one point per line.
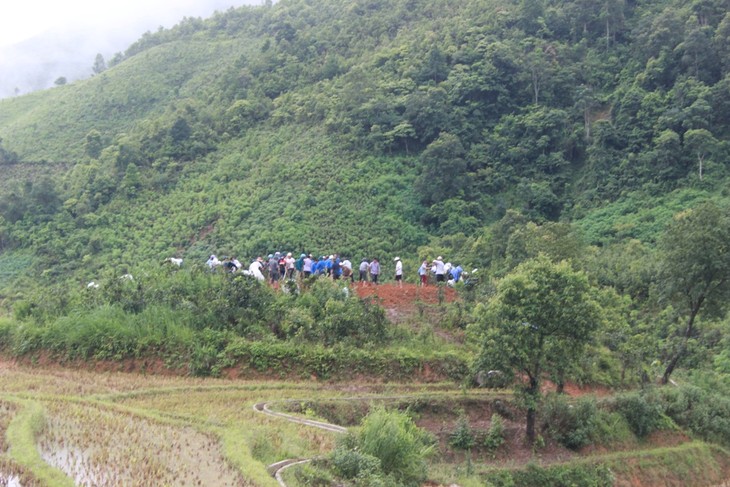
406	297
402	302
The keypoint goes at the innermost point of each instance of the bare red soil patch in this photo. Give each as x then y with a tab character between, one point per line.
401	302
392	296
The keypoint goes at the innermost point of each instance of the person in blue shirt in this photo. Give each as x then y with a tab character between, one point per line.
456	273
327	265
336	268
317	266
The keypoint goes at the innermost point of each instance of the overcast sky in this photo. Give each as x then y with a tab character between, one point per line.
23	19
43	40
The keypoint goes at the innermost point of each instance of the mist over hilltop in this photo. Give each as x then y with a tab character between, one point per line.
69	50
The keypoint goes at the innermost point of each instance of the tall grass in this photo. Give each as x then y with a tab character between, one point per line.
107	332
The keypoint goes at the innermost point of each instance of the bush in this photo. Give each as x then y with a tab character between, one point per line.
351	464
612	427
705	414
462	437
573	425
329	314
401	447
495	435
312	476
644	416
7	328
556	476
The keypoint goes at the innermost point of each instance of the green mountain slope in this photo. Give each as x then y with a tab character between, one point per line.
371	127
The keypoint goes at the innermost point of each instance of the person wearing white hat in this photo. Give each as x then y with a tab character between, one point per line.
439	269
399	271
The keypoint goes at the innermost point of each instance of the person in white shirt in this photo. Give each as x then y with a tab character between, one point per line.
213	262
290	262
256	269
439	269
399	271
307	266
364	267
347	270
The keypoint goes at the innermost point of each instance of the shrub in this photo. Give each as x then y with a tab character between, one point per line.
327	314
6	332
312	476
705	414
556	476
573	425
394	439
350	464
612	427
643	416
462	437
495	435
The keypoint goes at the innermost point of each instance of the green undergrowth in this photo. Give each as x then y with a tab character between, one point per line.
639	215
560	475
340	363
693	463
350	411
212	353
13	265
204	323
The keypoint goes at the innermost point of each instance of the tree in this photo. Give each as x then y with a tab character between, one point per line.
702	144
99	64
93	144
557	241
538	67
131	182
667	154
60	81
694	271
538	322
444	170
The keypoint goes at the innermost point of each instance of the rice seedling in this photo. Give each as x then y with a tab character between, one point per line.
99	446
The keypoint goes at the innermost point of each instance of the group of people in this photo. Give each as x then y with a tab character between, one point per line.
280	266
444	272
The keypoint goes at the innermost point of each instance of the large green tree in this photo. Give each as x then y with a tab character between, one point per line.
695	270
538	322
443	173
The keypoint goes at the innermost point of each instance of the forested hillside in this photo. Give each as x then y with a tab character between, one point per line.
572	156
369	126
488	131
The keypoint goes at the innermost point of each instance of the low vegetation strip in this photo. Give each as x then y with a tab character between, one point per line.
343	363
693	463
264	408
